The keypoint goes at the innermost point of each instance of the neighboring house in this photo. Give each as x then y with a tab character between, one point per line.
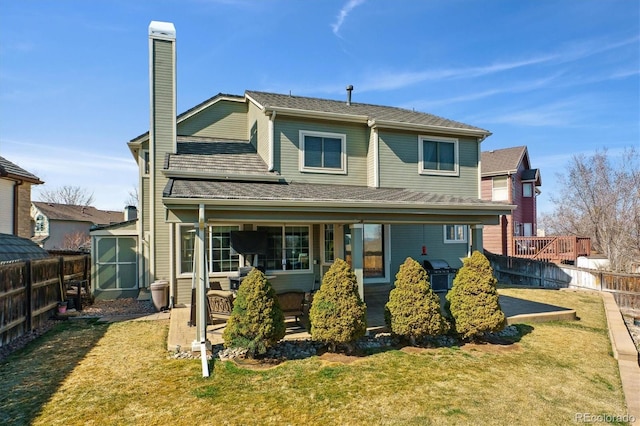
316	179
507	176
15	199
66	226
14	248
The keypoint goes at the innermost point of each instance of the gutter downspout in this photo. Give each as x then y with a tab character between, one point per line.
16	200
272	138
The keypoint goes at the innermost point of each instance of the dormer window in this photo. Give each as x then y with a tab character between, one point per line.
438	156
322	152
39	223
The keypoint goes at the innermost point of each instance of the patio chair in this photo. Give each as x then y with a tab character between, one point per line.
220	304
292	304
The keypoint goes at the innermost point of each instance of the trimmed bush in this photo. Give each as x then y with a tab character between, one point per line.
257	321
413	308
337	314
473	299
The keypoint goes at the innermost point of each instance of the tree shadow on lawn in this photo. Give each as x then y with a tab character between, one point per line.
33	374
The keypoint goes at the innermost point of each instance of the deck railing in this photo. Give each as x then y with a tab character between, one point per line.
558	249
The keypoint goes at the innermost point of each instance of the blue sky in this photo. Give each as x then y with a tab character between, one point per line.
560	76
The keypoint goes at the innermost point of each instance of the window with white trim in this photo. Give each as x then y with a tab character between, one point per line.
438	156
527	189
288	247
117	261
322	152
455	234
220	256
328	243
500	191
146	162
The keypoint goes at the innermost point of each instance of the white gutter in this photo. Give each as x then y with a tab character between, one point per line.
272	138
322	205
187	174
422	127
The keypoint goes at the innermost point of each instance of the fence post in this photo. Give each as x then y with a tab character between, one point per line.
28	281
61	279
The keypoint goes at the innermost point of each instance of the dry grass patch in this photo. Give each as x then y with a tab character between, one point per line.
123	376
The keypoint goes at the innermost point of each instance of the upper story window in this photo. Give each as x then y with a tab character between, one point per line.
500	190
39	223
438	156
455	234
527	189
322	152
146	164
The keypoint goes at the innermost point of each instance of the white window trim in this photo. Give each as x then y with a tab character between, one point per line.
343	154
456	159
448	241
178	261
386	232
311	254
323	259
506	188
143	162
530	185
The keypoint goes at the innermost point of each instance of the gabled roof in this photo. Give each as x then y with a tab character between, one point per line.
13	171
69	212
216	158
502	161
507	161
373	115
13	248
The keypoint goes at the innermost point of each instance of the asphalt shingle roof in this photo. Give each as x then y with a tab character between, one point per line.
502	160
217	156
13	248
265	191
373	112
7	168
75	213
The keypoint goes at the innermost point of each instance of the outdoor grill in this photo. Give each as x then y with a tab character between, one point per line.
440	274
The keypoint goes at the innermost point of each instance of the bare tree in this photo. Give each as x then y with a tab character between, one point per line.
601	200
76	241
73	195
132	200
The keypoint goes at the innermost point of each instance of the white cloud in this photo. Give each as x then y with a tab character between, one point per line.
344	12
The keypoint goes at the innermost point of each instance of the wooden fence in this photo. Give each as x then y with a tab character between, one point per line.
30	291
528	272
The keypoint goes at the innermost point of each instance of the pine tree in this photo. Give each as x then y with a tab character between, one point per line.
413	308
257	321
473	299
338	315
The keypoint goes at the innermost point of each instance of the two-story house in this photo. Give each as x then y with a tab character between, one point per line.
15	199
66	226
507	177
309	180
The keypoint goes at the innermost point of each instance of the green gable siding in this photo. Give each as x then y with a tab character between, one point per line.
224	119
398	154
163	90
258	125
287	152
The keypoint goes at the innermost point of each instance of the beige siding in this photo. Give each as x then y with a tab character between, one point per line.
145	204
399	166
287	152
223	119
258	125
163	90
6	212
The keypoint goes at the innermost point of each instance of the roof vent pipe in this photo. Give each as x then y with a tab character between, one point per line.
349	90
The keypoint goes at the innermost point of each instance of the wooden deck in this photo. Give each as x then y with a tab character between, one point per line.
559	249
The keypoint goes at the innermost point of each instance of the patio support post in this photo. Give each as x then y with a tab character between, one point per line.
357	255
476	238
201	283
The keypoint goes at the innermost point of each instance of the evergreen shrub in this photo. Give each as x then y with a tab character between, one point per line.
257	321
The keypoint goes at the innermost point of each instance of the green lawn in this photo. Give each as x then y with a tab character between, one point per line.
88	373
